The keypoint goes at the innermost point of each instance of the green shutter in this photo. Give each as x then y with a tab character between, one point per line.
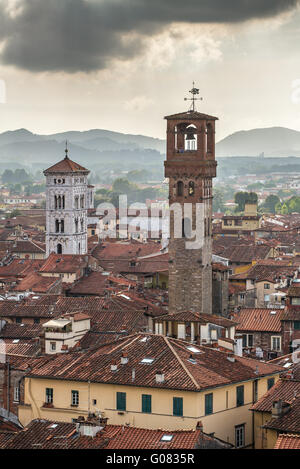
178	406
208	404
296	325
271	382
146	403
240	396
121	400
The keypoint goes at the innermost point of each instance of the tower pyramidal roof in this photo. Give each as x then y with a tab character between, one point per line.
66	166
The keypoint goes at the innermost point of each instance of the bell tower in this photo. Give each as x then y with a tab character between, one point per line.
66	207
190	167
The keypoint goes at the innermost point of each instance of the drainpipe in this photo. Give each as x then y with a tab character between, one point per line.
8	387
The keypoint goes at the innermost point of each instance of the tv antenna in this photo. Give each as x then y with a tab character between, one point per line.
194	92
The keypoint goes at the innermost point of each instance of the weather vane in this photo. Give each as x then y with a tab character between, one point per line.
194	91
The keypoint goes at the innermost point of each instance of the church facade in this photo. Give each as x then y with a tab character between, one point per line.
68	197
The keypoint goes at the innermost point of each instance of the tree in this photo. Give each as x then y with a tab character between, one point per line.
241	198
270	203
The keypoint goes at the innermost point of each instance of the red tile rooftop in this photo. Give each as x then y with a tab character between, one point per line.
66	166
288	442
210	368
258	319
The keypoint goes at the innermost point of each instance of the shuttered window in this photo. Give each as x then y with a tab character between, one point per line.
121	400
271	382
239	396
178	406
208	404
146	403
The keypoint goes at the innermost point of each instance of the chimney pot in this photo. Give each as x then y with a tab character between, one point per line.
159	377
114	365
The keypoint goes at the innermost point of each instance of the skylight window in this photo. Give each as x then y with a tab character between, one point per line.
147	361
16	341
166	438
54	425
194	349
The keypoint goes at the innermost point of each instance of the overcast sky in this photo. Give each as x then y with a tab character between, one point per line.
124	64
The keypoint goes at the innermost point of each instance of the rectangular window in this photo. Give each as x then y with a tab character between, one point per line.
49	395
18	320
244	340
276	343
16	394
208	404
250	340
240	436
146	403
271	382
296	325
178	406
239	396
121	400
75	398
255	391
267	286
53	346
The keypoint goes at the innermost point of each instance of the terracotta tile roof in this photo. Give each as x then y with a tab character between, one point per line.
66	166
246	254
191	115
257	319
20	267
46	434
288	442
27	247
289	422
36	283
210	368
270	273
24	348
291	313
63	263
16	331
294	290
284	389
92	284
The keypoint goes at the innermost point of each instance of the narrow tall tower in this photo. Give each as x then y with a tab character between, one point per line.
190	167
66	207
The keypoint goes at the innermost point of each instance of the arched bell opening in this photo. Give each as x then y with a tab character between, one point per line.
190	138
191	188
59	249
180	188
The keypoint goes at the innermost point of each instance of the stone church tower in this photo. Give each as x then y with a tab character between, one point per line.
67	201
190	167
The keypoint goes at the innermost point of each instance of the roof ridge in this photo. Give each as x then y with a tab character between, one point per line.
181	362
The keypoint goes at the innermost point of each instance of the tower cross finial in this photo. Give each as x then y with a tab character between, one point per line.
67	150
194	92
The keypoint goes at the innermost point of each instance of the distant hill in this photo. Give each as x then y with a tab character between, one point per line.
273	142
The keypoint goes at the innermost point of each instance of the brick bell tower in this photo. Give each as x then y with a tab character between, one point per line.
190	167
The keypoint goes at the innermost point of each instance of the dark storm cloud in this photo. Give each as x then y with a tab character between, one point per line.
84	35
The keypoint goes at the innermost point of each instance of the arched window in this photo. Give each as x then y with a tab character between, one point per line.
57	223
180	188
210	138
76	202
63	201
76	225
59	201
190	138
59	249
62	226
82	225
55	201
79	248
191	188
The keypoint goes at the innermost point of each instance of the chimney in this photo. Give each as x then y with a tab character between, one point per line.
159	377
231	357
280	408
199	426
114	366
124	358
133	374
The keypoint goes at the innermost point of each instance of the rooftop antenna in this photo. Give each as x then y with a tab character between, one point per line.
194	92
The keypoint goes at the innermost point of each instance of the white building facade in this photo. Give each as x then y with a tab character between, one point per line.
68	198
